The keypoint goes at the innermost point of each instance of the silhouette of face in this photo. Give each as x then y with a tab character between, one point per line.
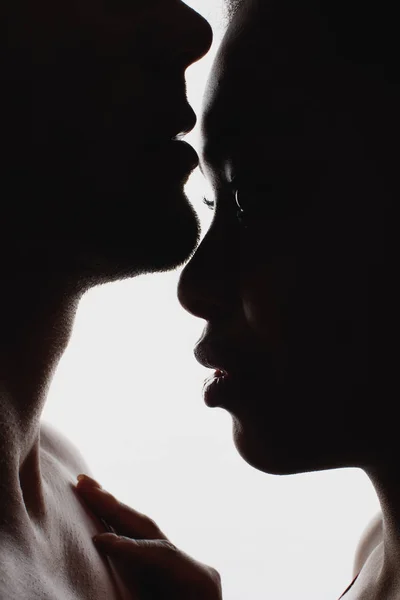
285	298
94	92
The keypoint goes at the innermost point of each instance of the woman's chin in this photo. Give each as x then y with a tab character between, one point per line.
279	454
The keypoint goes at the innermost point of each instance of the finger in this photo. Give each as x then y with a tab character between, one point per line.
125	520
157	553
164	562
86	480
141	564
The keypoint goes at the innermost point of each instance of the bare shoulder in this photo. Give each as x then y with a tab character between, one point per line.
370	538
60	447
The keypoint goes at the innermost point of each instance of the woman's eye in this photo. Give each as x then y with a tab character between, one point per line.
285	194
239	200
267	202
255	201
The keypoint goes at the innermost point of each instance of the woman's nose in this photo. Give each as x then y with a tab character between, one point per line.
208	284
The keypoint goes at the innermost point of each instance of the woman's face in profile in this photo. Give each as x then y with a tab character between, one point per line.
283	288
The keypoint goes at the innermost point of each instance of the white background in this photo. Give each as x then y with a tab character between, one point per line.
128	394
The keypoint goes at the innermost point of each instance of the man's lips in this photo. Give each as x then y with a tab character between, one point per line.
225	358
182	154
172	154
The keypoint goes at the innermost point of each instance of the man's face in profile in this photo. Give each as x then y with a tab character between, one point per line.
94	92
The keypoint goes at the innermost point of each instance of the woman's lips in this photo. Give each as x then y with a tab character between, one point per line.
217	388
238	369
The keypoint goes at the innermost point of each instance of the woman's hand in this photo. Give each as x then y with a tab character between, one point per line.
142	553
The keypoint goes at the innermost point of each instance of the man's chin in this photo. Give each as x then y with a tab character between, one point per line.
150	244
99	240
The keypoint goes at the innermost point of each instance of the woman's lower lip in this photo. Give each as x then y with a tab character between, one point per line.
217	389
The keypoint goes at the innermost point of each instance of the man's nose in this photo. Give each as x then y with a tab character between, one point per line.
190	35
198	36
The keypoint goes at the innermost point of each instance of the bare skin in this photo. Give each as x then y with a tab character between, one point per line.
57	558
92	184
296	276
46	550
142	553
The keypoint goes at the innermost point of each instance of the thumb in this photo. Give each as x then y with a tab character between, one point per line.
161	559
144	565
155	553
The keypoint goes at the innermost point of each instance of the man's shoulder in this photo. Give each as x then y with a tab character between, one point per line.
61	448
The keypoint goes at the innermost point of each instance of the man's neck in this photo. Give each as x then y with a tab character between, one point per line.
36	319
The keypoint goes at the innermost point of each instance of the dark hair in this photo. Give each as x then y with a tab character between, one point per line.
350	52
364	31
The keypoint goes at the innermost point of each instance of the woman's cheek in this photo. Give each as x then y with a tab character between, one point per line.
260	303
268	289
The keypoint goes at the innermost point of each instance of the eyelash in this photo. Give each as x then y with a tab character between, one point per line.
240	215
209	203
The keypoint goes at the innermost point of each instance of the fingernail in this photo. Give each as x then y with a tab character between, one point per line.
86	479
105	537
